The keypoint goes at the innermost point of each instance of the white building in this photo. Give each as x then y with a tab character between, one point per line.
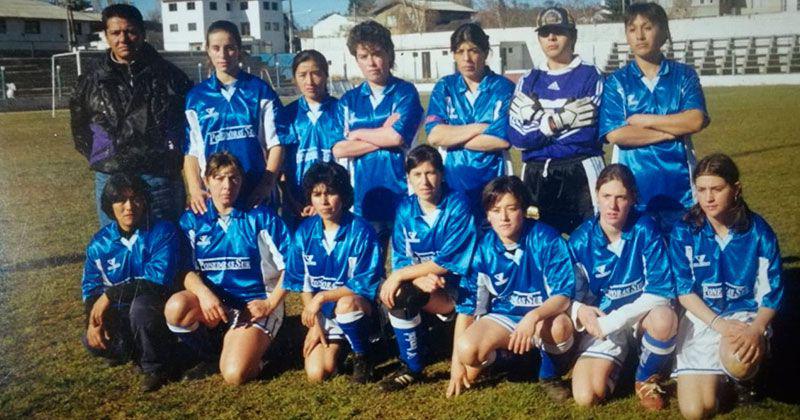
261	23
334	26
31	25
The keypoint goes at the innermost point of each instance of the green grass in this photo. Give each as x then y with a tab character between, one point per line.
47	216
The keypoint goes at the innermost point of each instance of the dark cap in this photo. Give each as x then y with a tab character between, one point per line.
555	17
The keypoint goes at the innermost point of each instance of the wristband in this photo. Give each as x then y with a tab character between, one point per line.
711	324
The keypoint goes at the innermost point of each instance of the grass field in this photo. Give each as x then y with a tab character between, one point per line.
47	216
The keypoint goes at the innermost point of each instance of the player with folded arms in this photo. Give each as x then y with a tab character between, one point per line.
334	262
232	259
651	107
380	118
433	241
468	117
727	266
624	296
517	294
553	121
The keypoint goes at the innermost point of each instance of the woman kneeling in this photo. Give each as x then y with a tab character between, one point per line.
233	260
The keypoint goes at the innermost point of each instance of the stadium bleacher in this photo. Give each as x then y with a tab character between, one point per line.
726	56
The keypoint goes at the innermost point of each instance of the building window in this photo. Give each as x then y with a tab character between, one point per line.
265	5
173	7
274	5
212	5
190	5
444	52
276	26
192	27
245	28
242	5
2	26
173	27
78	28
228	7
32	27
267	26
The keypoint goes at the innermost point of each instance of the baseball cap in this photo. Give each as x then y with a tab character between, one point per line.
557	17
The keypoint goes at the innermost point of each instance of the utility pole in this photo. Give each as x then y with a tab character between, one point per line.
291	28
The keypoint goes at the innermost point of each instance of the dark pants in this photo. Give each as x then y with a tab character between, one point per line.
138	331
167	196
562	190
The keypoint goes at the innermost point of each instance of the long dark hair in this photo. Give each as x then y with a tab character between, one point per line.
621	173
502	185
470	32
721	165
652	12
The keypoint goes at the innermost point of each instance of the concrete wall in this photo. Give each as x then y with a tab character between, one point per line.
594	42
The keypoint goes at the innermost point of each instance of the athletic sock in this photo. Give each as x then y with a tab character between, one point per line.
197	339
408	333
355	326
654	357
555	359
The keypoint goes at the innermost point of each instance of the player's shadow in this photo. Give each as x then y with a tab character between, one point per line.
286	353
783	366
41	263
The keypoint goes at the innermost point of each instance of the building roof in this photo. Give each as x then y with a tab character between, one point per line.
441	6
35	9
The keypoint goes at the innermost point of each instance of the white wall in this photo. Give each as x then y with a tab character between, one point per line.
594	41
52	36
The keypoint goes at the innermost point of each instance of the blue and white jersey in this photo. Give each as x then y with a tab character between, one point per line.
378	178
351	259
452	103
516	280
739	273
662	170
554	88
240	119
112	259
308	134
241	256
611	275
446	236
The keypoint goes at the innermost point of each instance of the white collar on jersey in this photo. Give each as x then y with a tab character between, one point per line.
572	64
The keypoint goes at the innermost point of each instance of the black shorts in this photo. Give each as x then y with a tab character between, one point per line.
563	190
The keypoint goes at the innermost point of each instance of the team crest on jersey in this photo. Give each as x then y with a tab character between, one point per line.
113	265
601	272
411	237
204	240
210	113
700	261
554	86
308	259
501	279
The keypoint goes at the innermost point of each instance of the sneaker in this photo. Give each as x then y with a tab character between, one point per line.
153	381
201	370
556	389
362	369
400	379
650	394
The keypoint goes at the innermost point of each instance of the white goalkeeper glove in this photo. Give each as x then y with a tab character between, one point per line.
575	114
525	108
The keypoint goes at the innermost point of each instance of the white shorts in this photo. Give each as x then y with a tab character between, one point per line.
697	351
331	328
269	325
510	322
614	348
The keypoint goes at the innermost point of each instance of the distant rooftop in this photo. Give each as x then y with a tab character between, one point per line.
34	9
442	6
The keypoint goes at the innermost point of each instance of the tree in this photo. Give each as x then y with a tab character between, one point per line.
360	7
617	8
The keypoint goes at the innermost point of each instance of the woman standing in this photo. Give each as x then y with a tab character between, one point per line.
467	117
651	107
231	111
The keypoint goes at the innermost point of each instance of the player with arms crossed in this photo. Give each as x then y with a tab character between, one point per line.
233	260
553	120
520	285
129	270
468	117
308	129
380	118
433	241
624	294
335	263
727	265
650	108
231	111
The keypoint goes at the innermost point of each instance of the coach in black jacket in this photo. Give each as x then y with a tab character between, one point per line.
127	114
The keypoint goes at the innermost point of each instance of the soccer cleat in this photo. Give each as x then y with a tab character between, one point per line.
400	379
153	381
650	394
201	370
362	369
556	389
746	392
